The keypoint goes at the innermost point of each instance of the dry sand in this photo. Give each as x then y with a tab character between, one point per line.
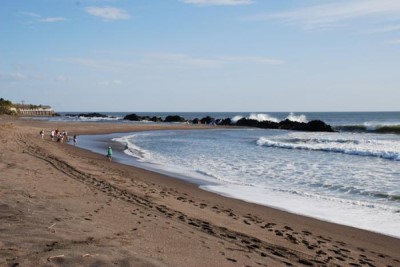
64	206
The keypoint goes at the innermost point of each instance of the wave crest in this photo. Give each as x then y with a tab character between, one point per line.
255	116
131	149
297	118
371	127
373	148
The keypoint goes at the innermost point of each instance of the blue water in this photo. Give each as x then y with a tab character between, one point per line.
333	118
351	178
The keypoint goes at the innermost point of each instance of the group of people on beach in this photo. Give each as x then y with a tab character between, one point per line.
59	136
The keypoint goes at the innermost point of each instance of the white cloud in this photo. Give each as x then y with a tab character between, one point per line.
218	2
95	64
329	14
12	77
182	59
186	60
166	60
35	18
29	14
17	77
108	13
53	19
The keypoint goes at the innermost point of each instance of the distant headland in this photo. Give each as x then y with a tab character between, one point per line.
28	110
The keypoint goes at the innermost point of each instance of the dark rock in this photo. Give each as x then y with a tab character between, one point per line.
268	125
226	121
133	117
156	119
319	126
144	118
292	125
247	122
174	118
312	126
206	120
89	115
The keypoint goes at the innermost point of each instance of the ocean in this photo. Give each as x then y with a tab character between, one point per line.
350	177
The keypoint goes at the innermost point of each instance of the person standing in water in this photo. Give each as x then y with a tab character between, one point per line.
75	139
109	153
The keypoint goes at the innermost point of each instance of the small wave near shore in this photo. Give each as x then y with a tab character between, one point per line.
345	144
372	127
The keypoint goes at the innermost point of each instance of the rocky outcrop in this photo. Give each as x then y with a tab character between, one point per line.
89	115
174	118
207	120
135	117
132	117
311	126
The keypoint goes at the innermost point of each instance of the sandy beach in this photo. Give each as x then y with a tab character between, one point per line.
64	206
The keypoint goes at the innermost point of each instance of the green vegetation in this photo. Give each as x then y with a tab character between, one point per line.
27	106
5	106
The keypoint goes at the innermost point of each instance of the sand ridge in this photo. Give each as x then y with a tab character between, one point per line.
64	206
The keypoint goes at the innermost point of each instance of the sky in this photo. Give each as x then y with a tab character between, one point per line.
201	55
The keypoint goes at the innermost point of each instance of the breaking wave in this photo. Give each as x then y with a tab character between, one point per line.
255	116
131	149
372	127
262	117
267	117
297	118
385	149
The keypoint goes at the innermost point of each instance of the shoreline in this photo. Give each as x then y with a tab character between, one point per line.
98	143
60	193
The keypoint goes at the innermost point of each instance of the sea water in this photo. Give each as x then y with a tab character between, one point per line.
347	177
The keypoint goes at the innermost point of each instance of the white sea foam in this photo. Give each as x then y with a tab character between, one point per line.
132	150
255	116
267	117
374	125
236	118
262	117
89	119
297	118
352	146
327	185
361	215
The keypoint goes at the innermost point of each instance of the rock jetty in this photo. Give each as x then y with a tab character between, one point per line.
311	126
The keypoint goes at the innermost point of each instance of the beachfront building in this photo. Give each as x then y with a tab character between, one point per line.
33	111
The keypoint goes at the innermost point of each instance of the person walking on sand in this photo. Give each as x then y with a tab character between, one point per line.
52	134
42	133
109	153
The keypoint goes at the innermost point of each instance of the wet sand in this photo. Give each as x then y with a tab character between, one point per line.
64	206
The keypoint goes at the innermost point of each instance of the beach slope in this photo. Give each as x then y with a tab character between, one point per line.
64	206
